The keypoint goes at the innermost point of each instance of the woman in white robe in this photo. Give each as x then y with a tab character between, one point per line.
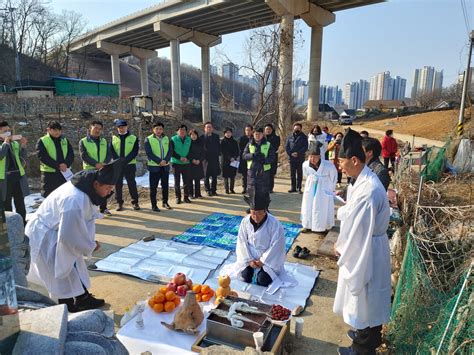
317	207
62	233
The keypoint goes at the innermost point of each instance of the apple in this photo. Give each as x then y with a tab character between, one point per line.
179	279
171	287
182	290
189	283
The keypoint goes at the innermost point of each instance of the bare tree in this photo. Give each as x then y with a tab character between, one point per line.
428	100
73	25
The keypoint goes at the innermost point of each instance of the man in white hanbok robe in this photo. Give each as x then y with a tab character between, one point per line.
363	287
261	249
62	233
317	207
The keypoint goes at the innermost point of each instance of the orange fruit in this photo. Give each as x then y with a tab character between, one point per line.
151	302
170	295
159	298
177	301
169	306
198	297
206	297
158	307
197	288
205	289
212	293
163	289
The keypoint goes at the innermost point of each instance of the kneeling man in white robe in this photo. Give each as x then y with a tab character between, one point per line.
363	285
317	207
260	248
62	233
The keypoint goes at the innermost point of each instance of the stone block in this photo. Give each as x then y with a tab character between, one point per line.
43	331
19	247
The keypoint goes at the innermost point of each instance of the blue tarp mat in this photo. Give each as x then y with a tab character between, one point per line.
219	230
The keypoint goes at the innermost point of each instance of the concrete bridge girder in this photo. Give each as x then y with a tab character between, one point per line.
175	34
317	18
116	50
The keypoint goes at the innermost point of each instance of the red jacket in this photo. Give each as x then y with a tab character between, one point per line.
389	147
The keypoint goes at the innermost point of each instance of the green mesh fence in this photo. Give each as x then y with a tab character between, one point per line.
426	320
435	162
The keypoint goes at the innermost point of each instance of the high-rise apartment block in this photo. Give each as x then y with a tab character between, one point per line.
426	80
384	87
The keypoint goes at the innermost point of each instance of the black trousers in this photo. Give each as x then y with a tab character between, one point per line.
339	177
210	183
184	171
155	178
263	279
51	181
128	173
391	160
195	189
14	192
296	171
244	177
367	340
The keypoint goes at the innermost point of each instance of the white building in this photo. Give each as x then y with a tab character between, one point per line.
356	94
230	71
384	87
426	80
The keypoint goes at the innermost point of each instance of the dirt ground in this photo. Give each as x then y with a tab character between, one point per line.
323	330
437	125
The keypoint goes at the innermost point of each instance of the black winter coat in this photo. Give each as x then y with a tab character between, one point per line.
212	151
243	141
196	152
297	144
258	179
229	149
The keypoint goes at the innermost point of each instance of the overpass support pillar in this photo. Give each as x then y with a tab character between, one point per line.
285	69
316	17
144	55
175	77
115	63
205	41
314	81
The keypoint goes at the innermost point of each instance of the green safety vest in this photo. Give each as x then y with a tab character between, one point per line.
15	147
129	143
98	155
159	147
182	149
264	148
51	149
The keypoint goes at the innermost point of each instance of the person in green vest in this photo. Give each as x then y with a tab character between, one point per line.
95	153
259	157
125	145
13	180
158	151
180	147
56	157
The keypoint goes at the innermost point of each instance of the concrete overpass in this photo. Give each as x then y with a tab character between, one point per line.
203	22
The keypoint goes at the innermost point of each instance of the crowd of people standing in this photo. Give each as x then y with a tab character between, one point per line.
191	156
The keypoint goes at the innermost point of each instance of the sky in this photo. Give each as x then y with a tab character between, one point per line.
397	36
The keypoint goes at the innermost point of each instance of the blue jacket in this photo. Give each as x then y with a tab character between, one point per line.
297	144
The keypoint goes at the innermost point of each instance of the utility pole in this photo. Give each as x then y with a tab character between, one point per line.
460	127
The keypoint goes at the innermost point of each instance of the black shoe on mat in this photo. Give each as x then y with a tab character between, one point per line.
297	251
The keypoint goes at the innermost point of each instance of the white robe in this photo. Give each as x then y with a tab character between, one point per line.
363	286
317	206
267	244
61	233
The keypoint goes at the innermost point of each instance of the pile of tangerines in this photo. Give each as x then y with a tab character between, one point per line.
164	301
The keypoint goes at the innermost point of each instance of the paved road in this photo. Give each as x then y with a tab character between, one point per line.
419	141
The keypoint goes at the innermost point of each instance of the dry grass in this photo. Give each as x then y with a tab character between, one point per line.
437	125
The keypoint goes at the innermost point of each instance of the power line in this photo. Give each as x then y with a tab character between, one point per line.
466	17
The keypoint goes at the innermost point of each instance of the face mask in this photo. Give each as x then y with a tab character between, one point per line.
296	131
